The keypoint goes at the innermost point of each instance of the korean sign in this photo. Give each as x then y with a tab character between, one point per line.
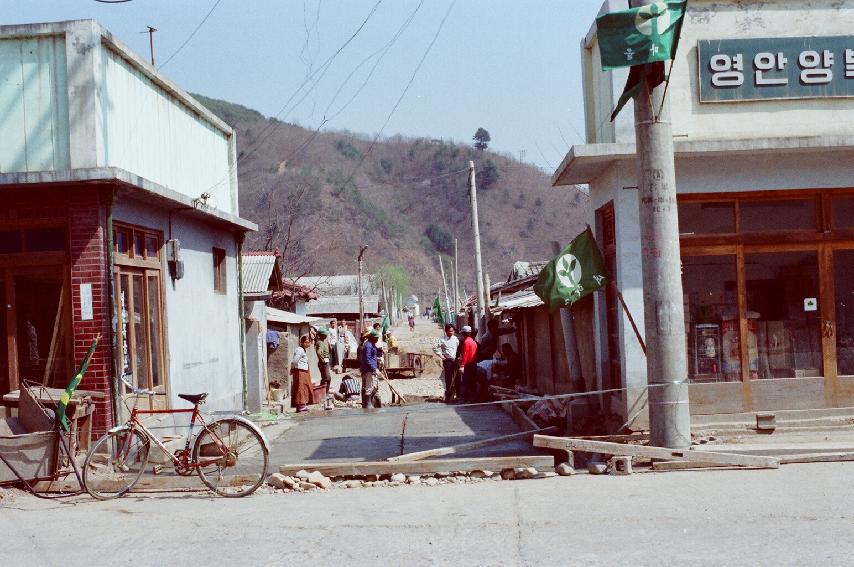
785	67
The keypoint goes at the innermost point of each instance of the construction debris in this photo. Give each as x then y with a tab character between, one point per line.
450	450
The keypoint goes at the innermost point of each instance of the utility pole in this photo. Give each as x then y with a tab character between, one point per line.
151	31
362	249
478	265
445	284
664	321
456	277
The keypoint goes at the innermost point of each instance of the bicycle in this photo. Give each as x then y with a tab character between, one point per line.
118	460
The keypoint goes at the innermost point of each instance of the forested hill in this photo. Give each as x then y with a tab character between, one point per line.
318	195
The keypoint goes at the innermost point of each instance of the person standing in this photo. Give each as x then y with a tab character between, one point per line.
489	341
369	366
411	319
301	390
332	340
446	349
321	347
468	363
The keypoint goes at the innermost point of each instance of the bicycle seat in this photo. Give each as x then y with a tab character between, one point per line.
193	398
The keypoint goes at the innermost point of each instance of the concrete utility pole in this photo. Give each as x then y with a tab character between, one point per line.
445	285
477	260
362	249
456	277
664	320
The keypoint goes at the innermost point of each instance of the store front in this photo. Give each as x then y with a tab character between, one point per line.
769	299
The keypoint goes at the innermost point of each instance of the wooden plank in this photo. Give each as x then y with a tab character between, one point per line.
146	483
521	419
777	449
816	458
588	446
361	468
450	450
683	465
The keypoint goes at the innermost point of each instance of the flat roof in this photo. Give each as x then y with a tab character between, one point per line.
131	185
585	162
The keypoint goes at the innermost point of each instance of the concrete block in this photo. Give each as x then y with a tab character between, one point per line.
620	465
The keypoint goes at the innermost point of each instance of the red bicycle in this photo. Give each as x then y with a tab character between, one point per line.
230	455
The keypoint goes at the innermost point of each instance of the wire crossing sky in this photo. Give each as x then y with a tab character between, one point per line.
512	67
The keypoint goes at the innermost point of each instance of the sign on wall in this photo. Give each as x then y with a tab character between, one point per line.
774	68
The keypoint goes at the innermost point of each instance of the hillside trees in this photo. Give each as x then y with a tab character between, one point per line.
441	239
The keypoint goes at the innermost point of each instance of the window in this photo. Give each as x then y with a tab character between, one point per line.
137	243
32	240
706	218
219	270
843	212
778	215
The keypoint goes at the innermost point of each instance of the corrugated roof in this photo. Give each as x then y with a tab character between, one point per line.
339	285
257	269
523	299
522	270
279	316
328	304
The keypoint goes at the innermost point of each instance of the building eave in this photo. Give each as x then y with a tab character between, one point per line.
585	162
131	185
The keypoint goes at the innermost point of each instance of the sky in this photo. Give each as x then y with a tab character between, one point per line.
512	67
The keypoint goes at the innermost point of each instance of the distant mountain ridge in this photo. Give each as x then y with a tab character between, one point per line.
317	195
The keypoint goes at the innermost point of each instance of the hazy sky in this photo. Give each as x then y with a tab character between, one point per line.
510	66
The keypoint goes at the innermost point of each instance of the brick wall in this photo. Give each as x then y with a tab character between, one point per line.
88	260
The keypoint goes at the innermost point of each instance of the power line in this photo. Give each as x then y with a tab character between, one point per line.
186	41
402	94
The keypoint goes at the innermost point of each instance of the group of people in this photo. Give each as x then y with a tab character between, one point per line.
334	345
468	365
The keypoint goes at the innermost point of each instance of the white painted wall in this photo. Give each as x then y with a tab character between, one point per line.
34	104
730	19
150	133
72	96
202	326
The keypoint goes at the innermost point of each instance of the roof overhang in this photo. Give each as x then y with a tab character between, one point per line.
585	162
130	185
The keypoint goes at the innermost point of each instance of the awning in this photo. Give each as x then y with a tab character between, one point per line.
524	299
280	316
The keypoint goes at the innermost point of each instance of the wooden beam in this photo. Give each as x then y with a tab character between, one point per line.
362	468
816	458
521	419
588	446
450	450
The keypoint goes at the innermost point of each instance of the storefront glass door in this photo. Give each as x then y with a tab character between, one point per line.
784	315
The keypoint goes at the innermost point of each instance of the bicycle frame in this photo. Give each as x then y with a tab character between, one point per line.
133	423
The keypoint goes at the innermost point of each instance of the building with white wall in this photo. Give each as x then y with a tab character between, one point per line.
762	105
119	217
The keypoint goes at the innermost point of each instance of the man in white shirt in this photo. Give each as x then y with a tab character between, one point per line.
446	349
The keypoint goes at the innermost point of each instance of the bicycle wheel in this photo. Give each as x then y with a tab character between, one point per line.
115	463
232	456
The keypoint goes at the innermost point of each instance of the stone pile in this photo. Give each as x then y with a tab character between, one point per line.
304	481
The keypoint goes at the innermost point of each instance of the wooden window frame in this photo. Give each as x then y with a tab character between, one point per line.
220	273
131	258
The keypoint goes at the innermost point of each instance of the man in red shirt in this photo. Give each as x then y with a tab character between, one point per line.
468	363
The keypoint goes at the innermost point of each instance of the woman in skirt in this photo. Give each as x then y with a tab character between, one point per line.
301	390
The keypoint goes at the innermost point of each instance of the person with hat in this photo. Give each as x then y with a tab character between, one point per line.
321	347
468	363
369	366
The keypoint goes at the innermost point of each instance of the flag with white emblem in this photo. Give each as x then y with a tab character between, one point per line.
576	272
640	35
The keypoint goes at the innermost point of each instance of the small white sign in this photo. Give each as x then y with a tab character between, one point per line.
810	304
86	302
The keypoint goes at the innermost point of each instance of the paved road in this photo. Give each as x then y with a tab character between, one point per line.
366	435
797	515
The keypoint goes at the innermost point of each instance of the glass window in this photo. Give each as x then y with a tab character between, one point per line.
10	241
138	244
843	212
706	218
44	239
154	328
122	239
219	269
783	314
843	287
711	318
151	247
779	215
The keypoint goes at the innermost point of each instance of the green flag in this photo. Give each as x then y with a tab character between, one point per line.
437	309
75	381
640	35
577	271
386	324
652	74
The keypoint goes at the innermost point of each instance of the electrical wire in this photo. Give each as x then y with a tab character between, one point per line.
193	33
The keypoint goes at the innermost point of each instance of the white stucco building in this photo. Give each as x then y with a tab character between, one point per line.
762	105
